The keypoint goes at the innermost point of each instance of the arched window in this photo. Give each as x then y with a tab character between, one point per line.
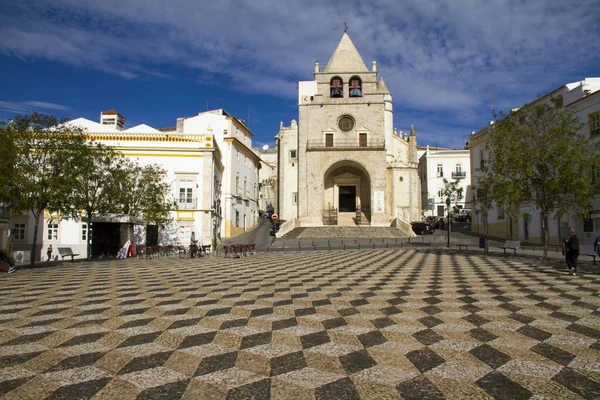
355	87
336	87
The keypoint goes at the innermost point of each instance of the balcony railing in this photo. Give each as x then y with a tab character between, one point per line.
459	174
187	204
326	144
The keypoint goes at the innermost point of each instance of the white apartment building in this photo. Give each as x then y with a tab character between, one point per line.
435	165
583	98
267	178
209	164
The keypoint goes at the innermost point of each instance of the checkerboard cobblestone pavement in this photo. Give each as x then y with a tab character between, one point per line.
383	324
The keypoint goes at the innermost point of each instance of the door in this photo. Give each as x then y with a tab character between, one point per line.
440	211
347	200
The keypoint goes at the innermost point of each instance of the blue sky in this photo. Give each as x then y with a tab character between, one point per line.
156	60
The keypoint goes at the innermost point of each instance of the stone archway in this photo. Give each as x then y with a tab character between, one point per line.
347	188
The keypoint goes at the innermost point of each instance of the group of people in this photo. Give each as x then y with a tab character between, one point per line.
571	249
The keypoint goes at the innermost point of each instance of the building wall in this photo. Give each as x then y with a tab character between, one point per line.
288	169
583	99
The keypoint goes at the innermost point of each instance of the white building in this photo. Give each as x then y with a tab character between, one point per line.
583	99
209	164
267	178
435	165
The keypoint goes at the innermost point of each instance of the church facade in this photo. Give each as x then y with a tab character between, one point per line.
343	162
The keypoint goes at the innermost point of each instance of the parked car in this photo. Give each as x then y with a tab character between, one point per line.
422	228
464	215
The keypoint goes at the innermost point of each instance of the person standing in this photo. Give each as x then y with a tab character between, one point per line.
597	245
193	245
572	248
49	252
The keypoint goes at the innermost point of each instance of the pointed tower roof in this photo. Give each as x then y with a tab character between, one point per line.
412	130
346	58
383	87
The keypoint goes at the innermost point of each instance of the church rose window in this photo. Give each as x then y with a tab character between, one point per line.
346	123
336	87
355	87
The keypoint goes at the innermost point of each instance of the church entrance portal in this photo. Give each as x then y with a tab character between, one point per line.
347	199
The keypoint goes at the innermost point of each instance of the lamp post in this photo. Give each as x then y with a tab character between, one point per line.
448	208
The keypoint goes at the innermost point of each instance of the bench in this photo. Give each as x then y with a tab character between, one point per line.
512	245
589	251
67	252
461	245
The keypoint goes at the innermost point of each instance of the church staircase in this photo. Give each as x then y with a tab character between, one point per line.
343	232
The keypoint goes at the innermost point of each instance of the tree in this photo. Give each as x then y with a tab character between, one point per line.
95	174
538	157
144	192
452	193
36	151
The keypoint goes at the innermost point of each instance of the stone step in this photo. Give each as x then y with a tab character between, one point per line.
343	232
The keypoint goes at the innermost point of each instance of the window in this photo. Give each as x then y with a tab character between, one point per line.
500	213
237	184
346	123
362	139
237	219
329	140
245	186
84	232
588	223
481	160
440	171
224	132
336	87
185	191
237	155
52	231
355	87
292	153
294	198
458	168
19	231
595	123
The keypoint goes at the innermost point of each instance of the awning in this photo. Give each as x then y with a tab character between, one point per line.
115	218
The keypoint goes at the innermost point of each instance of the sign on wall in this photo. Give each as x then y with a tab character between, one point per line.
379	201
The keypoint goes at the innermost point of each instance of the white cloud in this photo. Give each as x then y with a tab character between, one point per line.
436	56
29	106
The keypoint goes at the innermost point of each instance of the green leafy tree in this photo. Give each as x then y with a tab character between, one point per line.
36	151
143	192
452	193
538	157
95	174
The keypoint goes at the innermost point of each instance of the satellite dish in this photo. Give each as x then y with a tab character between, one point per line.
266	147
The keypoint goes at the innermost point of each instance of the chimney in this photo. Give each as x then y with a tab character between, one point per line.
111	118
180	125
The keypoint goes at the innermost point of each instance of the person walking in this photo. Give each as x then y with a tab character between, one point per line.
49	252
571	249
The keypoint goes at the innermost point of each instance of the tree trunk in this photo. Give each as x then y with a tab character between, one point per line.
36	225
545	235
89	236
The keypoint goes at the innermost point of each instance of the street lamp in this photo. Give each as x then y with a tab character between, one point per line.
449	225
